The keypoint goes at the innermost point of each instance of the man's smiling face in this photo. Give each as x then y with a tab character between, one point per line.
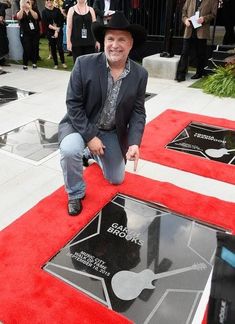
117	45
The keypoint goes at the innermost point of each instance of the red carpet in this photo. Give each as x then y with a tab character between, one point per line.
31	295
165	128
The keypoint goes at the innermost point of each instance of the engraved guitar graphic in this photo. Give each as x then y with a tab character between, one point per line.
218	153
128	285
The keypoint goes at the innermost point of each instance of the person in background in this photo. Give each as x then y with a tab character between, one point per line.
80	39
4	49
58	4
54	21
65	9
66	5
105	108
28	33
105	8
228	14
196	16
39	27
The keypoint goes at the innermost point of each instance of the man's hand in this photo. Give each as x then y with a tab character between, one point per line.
187	22
69	46
96	146
201	20
56	34
97	46
133	155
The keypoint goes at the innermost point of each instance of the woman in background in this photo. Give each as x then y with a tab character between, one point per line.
80	39
58	4
4	48
39	23
54	21
28	33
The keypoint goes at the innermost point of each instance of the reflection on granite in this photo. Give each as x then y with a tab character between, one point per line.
149	95
3	72
141	260
35	140
207	141
8	94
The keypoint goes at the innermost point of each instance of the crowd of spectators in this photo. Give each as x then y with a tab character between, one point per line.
66	25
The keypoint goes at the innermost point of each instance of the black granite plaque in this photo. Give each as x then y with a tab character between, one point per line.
8	94
34	141
209	142
141	260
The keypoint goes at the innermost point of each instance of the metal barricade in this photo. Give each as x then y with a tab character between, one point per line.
152	14
162	20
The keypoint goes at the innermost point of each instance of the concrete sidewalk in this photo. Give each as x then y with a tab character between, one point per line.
23	184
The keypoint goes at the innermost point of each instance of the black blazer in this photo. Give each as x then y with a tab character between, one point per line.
99	5
49	17
86	95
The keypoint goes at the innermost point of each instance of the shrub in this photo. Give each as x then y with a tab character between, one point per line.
222	82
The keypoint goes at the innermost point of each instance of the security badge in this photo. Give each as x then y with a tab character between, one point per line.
84	32
31	25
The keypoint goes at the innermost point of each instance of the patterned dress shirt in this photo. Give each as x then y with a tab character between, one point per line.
107	116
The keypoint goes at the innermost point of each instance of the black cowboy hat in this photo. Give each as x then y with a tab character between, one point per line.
119	22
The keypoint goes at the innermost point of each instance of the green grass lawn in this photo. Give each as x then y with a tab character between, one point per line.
221	83
48	63
199	83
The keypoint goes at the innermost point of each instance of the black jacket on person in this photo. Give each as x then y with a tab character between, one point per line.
4	49
86	95
68	4
3	7
24	24
51	17
99	6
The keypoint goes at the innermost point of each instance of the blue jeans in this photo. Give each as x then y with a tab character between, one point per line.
112	162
